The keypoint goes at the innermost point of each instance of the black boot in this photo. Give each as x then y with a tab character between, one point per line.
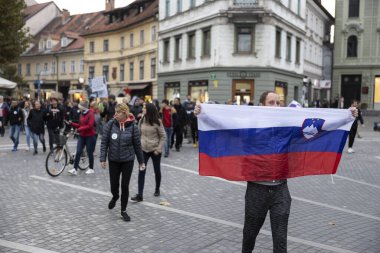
125	216
112	203
137	198
157	193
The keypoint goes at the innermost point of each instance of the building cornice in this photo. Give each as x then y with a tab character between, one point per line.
366	66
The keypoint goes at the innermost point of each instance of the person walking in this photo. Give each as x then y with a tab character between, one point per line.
169	115
87	137
179	124
152	141
36	124
54	119
25	112
3	115
15	119
354	127
97	118
121	143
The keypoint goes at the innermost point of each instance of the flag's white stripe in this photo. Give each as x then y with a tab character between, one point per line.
220	117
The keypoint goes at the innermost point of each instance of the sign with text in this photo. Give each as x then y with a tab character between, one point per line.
98	84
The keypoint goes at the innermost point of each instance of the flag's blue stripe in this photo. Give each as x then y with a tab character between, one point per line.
263	141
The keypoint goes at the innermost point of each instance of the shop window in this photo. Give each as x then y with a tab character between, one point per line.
377	90
243	91
281	90
172	90
198	90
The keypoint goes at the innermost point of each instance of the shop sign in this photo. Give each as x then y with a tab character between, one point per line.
198	83
172	85
280	84
243	74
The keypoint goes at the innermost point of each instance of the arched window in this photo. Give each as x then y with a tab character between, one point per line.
352	46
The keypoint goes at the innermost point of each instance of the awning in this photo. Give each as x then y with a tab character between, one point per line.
137	86
6	84
75	91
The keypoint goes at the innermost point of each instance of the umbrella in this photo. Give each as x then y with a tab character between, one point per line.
6	84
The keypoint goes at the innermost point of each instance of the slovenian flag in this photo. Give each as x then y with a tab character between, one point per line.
249	143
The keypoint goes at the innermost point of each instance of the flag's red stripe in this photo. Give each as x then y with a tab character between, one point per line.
269	167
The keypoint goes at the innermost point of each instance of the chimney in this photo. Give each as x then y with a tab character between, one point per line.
110	5
65	16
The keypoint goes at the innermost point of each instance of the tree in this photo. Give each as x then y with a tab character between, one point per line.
14	39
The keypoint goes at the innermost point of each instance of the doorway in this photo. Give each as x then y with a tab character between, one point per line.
351	88
243	91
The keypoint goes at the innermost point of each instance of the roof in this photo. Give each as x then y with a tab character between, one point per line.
72	28
133	16
32	10
318	2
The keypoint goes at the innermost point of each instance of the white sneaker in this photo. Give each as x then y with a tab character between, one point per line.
89	171
350	150
73	171
27	149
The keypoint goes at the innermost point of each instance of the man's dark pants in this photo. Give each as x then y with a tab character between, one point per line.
260	199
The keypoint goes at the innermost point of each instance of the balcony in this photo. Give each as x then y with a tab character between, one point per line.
245	3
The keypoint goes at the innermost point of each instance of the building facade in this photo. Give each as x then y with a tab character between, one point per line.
318	53
231	49
122	47
357	52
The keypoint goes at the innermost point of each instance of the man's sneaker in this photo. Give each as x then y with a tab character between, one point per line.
112	203
89	171
157	193
137	198
35	152
350	150
125	216
14	149
27	149
73	172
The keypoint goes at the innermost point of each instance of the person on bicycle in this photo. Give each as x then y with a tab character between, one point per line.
87	137
121	142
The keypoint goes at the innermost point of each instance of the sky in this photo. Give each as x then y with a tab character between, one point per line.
85	6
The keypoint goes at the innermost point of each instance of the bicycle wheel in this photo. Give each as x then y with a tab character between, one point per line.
56	161
84	162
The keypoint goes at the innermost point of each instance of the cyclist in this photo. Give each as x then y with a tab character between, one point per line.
87	137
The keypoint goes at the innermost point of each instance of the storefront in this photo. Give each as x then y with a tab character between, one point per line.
376	96
172	90
141	90
281	88
198	90
243	91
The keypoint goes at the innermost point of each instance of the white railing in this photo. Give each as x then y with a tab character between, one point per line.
245	3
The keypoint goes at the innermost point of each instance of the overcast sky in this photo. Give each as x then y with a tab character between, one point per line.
85	6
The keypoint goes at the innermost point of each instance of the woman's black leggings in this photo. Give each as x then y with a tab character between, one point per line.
117	168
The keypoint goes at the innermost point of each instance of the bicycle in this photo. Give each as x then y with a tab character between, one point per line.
60	156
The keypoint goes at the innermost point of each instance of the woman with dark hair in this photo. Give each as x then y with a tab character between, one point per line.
36	123
152	141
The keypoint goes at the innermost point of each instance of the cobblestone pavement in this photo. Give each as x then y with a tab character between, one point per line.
69	214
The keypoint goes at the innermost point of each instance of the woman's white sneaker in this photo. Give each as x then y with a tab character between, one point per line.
90	171
350	151
73	171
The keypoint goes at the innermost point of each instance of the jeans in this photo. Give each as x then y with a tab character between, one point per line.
115	169
35	138
28	135
260	199
14	134
90	143
168	131
157	171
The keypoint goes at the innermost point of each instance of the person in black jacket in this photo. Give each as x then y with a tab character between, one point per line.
178	125
15	118
37	126
354	127
121	142
54	119
75	112
109	111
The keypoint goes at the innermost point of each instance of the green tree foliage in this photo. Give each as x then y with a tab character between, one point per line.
13	37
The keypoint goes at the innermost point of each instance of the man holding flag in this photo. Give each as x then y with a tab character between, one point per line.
267	149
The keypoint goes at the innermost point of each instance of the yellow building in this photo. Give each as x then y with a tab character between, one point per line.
56	57
122	46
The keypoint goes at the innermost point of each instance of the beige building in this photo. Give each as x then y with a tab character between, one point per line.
357	52
122	47
55	60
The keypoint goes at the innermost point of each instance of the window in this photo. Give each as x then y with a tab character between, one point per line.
46	65
141	37
49	44
131	70
192	3
37	68
72	66
206	43
121	72
353	8
289	4
352	46
153	68
91	72
64	42
131	40
92	47
105	46
298	51
166	50
28	69
299	7
19	70
53	67
288	47
167	8
81	66
154	33
278	43
63	67
141	70
191	47
179	5
122	42
106	72
178	48
244	40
